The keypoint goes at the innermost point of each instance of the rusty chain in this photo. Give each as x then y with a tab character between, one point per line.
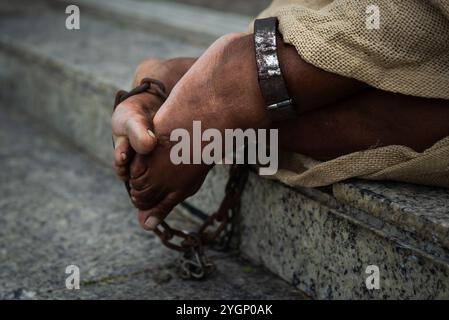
217	229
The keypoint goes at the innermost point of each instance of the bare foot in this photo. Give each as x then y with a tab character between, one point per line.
220	90
132	119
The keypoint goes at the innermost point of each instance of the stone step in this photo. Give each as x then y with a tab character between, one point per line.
61	68
66	81
60	208
193	24
320	240
250	8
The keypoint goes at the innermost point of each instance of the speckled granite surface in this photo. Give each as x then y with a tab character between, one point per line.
324	248
322	243
417	209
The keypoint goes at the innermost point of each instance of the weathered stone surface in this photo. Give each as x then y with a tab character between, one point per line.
58	207
250	8
324	248
418	209
322	245
197	25
101	49
71	76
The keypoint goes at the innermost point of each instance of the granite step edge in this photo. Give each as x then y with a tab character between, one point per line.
423	214
320	247
204	200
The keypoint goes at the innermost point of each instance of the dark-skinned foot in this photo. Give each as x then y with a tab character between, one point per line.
220	90
132	120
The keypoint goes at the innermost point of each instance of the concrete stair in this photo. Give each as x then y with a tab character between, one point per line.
195	25
59	201
59	208
319	240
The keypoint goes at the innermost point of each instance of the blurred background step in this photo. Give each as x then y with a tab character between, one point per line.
250	8
319	240
68	78
198	25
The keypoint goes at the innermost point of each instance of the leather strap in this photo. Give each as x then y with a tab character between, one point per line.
271	81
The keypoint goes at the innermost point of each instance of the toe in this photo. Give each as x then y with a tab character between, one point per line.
123	152
130	119
147	192
150	219
140	183
122	172
140	134
146	198
138	171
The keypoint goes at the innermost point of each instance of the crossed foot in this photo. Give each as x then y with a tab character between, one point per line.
219	89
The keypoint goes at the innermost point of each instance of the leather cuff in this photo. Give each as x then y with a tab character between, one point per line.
271	81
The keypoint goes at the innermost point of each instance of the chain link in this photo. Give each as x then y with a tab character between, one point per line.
217	229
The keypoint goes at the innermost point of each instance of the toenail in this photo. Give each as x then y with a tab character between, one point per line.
123	155
133	199
152	222
151	133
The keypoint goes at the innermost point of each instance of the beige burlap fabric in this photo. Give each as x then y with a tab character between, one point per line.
408	53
